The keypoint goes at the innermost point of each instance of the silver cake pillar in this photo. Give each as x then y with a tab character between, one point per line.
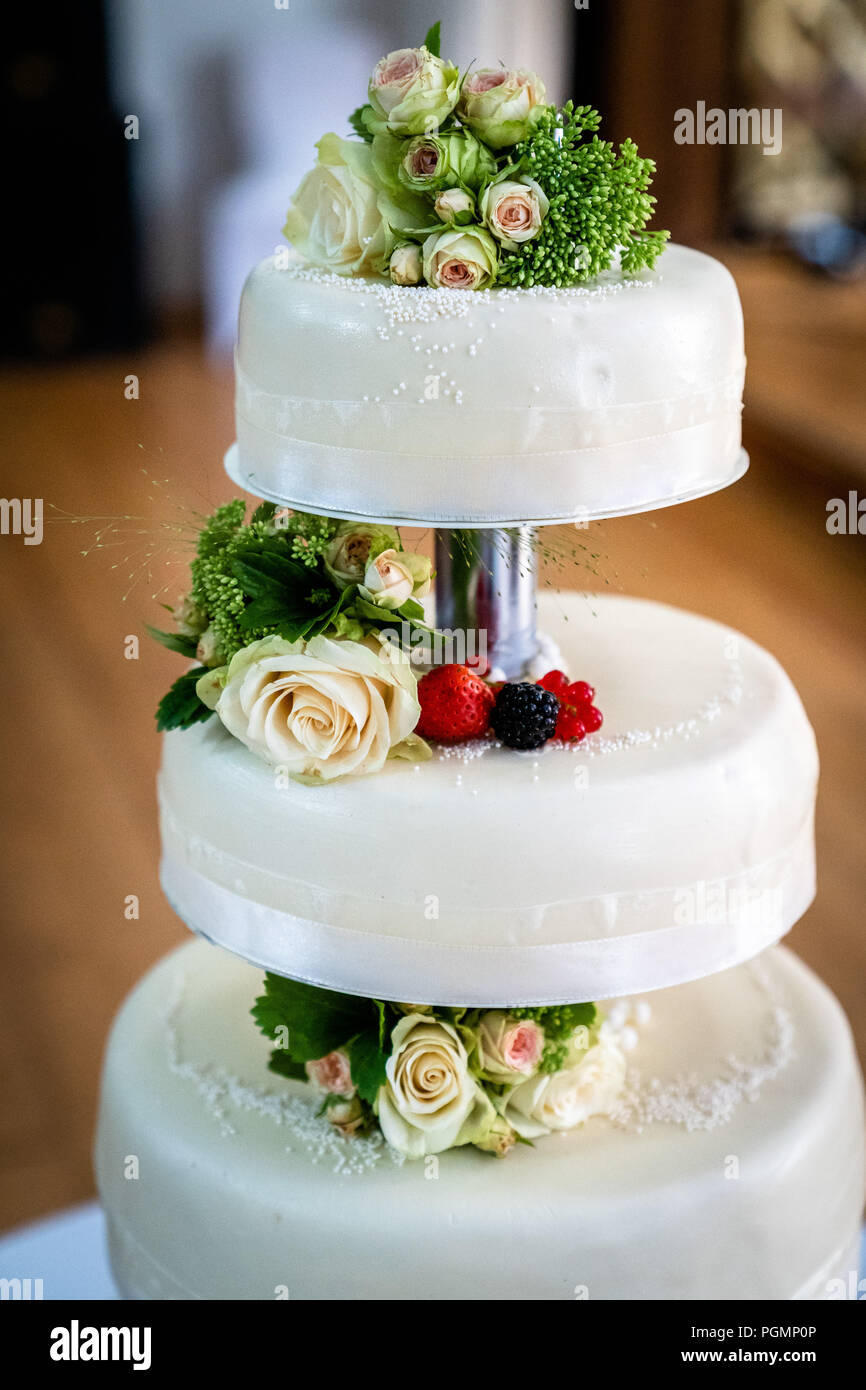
486	593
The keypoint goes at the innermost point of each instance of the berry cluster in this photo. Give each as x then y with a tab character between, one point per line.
578	716
456	704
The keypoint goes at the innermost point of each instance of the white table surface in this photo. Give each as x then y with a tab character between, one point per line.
68	1253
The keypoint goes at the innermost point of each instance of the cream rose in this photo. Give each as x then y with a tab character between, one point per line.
346	1115
499	1139
209	649
463	258
430	1101
507	1048
405	266
501	104
353	545
514	210
334	220
189	619
332	1074
394	576
411	92
454	205
320	709
563	1099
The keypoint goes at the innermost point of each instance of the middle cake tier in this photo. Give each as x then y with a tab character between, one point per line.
675	842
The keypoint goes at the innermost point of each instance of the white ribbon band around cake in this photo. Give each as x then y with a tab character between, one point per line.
643	946
578	485
361	399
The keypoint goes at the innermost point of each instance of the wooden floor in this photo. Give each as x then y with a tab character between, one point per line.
77	728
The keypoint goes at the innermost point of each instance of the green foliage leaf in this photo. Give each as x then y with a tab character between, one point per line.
284	1064
174	641
368	1058
263	512
382	617
181	707
318	1020
356	121
411	610
433	41
262	570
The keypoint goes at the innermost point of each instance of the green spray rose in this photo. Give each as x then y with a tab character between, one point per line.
514	210
411	91
352	547
440	161
460	258
501	104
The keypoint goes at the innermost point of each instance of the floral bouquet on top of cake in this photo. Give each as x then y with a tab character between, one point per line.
462	181
436	1078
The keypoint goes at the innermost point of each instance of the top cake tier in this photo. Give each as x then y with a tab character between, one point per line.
361	399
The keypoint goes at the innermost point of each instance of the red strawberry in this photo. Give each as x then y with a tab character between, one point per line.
455	704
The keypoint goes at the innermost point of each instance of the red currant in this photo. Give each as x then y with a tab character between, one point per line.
555	681
592	718
570	726
579	693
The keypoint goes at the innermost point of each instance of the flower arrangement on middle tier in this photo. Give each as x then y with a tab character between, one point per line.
436	1078
286	616
299	624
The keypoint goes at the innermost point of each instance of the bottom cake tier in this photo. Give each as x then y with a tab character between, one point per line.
734	1167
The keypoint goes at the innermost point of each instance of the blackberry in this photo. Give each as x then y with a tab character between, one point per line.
524	715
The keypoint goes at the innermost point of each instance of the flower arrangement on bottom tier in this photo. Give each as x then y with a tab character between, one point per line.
436	1078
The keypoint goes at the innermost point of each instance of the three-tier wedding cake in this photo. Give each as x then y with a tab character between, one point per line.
450	913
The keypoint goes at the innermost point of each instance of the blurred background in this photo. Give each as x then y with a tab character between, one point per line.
153	148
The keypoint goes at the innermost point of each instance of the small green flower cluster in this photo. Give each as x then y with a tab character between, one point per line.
215	589
599	203
287	574
559	1022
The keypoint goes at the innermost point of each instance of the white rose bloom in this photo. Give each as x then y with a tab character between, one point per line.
430	1101
514	210
564	1099
321	709
334	220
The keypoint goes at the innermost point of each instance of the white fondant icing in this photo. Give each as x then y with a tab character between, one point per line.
676	842
359	398
241	1191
